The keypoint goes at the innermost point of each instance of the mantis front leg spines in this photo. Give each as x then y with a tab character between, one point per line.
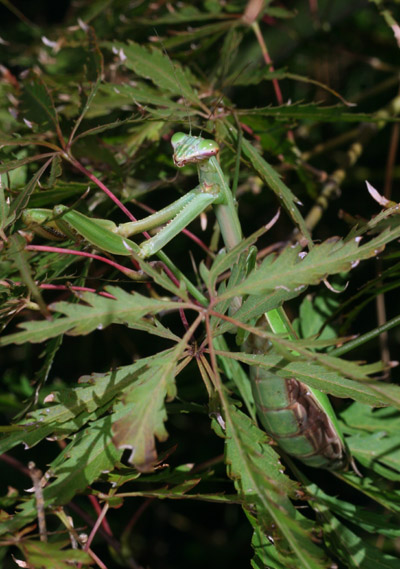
294	415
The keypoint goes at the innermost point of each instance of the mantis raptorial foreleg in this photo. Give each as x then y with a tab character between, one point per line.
113	238
299	418
62	222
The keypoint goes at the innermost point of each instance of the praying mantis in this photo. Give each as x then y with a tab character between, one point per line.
300	419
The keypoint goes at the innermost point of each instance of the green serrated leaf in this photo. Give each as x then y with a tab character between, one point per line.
73	408
94	60
205	35
260	481
16	245
38	103
352	549
228	259
389	498
365	419
272	178
358	516
329	375
13	164
62	191
89	454
292	271
21	201
312	111
314	313
53	555
155	65
140	417
99	313
55	171
265	551
5	218
379	452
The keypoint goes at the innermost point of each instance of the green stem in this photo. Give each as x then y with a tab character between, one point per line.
181	277
365	337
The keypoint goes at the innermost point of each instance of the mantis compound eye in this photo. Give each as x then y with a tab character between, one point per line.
177	139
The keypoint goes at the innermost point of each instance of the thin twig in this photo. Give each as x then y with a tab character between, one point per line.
36	476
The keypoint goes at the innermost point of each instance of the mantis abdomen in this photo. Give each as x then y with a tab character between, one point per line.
292	415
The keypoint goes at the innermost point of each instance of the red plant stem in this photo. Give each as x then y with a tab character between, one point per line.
115	544
96	526
121	268
19	466
102	186
50	249
74	288
96	506
184	319
15	463
268	61
250	131
96	559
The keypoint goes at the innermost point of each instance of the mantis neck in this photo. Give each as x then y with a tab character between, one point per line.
225	209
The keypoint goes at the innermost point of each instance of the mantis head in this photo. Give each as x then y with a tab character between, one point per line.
190	149
41	221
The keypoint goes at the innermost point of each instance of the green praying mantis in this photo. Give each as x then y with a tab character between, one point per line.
300	419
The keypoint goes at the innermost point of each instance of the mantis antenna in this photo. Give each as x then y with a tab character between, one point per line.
176	79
